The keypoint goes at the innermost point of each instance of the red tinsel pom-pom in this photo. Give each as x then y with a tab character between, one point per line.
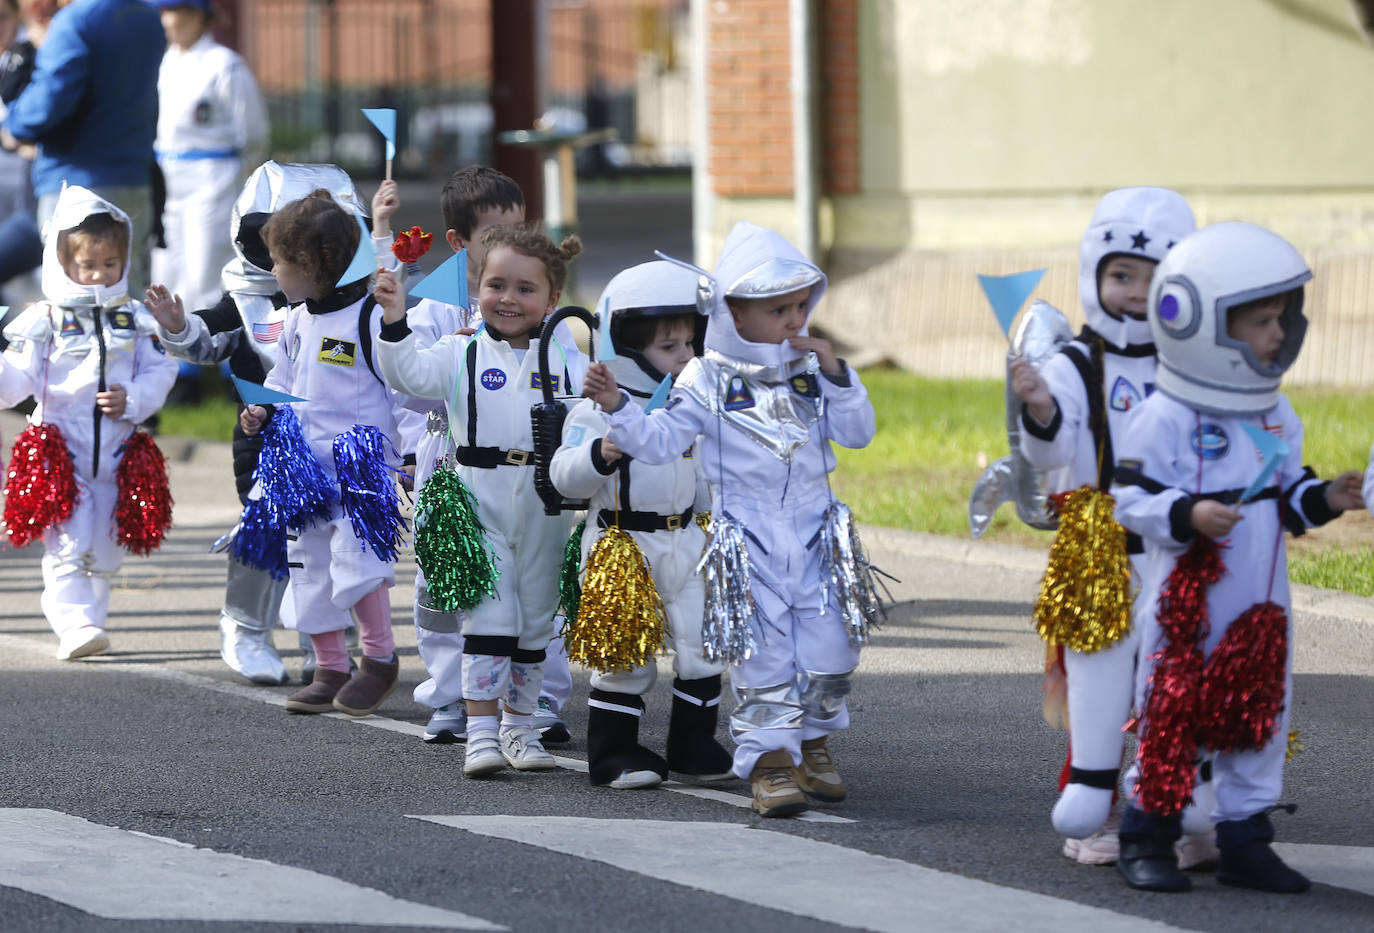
1168	744
143	512
1183	602
1242	687
40	484
409	247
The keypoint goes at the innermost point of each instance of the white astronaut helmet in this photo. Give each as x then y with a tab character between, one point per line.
650	290
1141	221
1205	276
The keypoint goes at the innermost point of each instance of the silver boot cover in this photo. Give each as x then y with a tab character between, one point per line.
766	708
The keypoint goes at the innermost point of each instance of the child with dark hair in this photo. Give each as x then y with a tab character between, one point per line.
87	350
325	356
489	381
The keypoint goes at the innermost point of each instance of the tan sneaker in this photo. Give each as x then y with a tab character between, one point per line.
775	786
817	775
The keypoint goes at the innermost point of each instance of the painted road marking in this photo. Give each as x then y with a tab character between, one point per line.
266	695
68	859
778	871
1343	866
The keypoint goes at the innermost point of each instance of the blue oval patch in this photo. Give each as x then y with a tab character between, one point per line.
493	379
1210	442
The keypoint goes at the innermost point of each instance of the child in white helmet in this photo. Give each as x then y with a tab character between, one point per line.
766	399
1193	480
649	313
1074	408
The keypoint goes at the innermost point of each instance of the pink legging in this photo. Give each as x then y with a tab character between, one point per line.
374	630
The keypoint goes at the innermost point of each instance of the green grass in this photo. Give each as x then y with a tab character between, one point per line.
1336	568
209	420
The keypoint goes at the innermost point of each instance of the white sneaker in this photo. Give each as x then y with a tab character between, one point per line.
635	780
447	725
522	749
1197	851
550	725
1101	848
82	643
483	756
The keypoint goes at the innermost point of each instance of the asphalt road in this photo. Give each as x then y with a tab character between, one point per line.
320	821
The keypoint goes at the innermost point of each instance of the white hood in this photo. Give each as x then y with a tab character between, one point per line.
1143	222
759	263
74	205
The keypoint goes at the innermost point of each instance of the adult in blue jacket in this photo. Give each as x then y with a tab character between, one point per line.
91	108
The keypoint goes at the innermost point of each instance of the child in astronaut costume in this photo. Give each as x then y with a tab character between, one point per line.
1226	315
243	328
211	123
1074	408
766	399
655	505
489	381
60	351
325	356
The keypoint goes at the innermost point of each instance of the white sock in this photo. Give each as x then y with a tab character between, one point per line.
511	720
479	726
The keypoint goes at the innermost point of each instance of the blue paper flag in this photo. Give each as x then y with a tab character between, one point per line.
660	394
1272	450
254	394
384	119
1007	293
605	350
447	284
364	260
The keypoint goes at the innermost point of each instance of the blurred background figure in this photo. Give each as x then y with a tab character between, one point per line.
211	128
22	24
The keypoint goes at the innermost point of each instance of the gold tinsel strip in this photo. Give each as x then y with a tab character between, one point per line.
1085	598
620	620
1295	746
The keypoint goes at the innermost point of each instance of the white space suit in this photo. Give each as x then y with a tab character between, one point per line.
211	122
488	389
1097	381
654	504
323	358
63	351
1188	443
765	418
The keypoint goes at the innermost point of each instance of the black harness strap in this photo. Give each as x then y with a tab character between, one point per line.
365	336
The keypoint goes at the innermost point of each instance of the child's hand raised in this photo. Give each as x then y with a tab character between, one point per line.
1344	493
252	418
389	294
1213	519
825	353
166	308
600	386
384	205
112	402
1031	388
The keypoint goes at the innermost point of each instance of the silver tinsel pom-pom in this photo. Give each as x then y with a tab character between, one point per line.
847	575
727	630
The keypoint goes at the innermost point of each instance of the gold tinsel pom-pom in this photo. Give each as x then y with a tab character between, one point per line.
1295	746
1085	598
620	620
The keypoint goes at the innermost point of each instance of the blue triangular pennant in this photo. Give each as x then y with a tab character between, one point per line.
660	394
254	394
1272	450
605	349
1007	293
364	260
447	284
384	119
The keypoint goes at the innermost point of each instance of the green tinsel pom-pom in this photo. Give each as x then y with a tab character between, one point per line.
569	584
451	544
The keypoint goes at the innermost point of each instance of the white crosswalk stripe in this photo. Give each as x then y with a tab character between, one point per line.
124	875
1343	866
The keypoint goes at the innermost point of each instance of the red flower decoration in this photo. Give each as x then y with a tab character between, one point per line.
411	246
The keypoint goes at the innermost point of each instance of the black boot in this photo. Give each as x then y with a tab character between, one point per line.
614	756
1248	861
692	747
1147	860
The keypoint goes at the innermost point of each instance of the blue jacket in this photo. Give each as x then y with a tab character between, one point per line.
92	102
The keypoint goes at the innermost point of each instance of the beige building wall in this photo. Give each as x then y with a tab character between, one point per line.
989	128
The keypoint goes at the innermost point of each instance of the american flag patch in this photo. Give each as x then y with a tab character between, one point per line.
266	333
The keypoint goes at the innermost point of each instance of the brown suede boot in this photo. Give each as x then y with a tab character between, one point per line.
368	688
318	695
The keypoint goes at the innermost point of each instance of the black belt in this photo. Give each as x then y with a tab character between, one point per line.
489	458
1232	496
643	521
1134	543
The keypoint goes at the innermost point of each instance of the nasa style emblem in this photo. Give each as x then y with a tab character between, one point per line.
1124	396
493	379
1210	441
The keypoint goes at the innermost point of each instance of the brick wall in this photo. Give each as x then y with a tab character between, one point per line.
839	55
749	97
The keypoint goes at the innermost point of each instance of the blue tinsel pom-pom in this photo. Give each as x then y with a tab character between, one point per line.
259	541
367	488
294	485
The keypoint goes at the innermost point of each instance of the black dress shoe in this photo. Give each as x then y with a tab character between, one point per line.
1259	867
1151	865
